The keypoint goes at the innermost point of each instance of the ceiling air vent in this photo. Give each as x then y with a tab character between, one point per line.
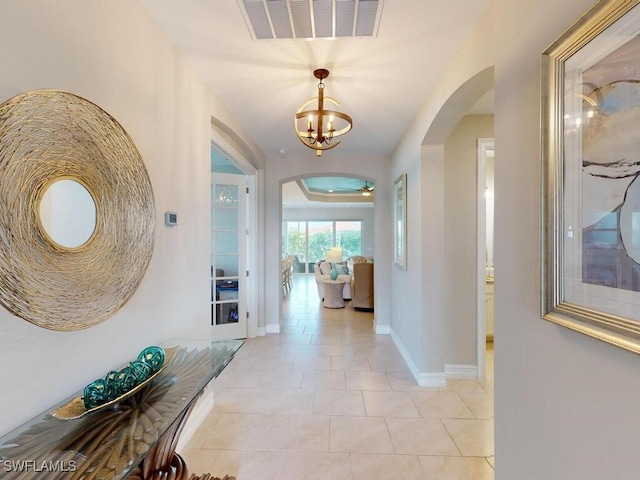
271	19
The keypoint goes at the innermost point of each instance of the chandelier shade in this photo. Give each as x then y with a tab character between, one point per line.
318	128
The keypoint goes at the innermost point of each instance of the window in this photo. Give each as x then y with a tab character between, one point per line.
348	235
295	243
320	239
309	240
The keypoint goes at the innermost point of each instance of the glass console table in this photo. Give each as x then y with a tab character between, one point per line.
134	439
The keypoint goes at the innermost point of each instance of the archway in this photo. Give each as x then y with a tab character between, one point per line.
461	330
319	211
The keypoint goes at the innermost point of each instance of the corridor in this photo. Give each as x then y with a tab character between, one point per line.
329	399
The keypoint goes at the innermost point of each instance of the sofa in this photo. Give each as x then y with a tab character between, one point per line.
362	286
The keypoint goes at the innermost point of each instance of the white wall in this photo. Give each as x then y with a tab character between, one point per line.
287	168
565	404
113	55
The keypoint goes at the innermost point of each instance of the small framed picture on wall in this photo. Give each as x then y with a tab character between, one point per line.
400	221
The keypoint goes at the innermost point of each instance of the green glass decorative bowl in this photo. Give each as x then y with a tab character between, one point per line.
77	407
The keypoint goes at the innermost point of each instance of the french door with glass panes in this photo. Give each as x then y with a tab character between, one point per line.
228	256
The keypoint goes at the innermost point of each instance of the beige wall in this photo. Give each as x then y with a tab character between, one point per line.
460	210
112	54
565	404
287	168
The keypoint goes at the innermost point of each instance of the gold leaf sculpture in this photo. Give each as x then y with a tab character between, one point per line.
47	135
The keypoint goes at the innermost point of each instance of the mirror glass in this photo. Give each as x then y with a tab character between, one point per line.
68	213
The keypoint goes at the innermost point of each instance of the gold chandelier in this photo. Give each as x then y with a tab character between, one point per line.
319	126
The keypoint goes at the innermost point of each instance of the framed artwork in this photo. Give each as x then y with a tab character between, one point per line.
400	221
591	168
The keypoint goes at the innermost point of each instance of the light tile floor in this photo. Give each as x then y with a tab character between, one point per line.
328	398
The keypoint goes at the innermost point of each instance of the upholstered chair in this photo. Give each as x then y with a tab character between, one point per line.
362	286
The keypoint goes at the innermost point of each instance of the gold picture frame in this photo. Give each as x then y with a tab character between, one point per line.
591	176
400	221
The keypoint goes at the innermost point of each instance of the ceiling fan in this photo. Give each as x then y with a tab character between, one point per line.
366	190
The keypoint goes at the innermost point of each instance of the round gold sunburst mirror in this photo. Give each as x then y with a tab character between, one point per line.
77	214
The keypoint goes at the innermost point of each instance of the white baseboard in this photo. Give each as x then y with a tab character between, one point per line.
260	332
198	415
461	371
382	329
423	379
271	328
431	379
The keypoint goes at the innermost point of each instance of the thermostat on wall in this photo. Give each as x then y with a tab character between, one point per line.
170	219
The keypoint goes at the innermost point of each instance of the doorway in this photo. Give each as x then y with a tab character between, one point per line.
233	244
485	267
324	211
228	256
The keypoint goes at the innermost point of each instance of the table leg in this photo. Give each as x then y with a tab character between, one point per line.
163	463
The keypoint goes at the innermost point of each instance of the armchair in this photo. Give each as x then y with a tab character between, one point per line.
362	286
322	270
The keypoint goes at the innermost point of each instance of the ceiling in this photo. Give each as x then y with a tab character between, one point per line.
380	81
323	192
313	193
336	184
